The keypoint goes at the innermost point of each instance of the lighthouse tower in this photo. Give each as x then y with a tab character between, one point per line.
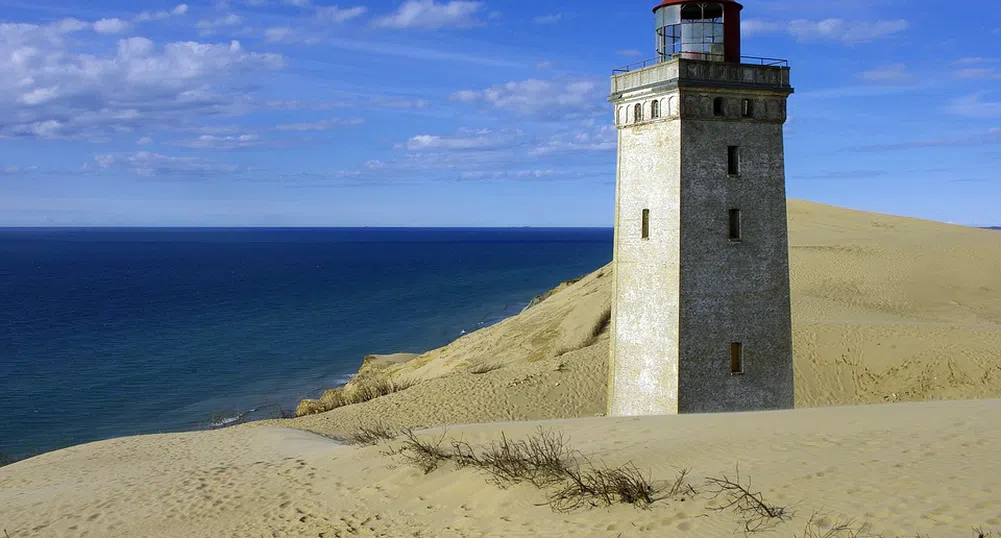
701	316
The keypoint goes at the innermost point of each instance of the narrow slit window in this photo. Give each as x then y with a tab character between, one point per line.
718	106
646	224
733	160
736	358
747	108
735	225
655	110
638	113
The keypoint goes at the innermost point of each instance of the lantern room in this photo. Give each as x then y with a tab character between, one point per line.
698	30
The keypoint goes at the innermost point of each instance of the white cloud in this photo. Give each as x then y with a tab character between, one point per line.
544	65
548	19
887	73
208	26
145	16
339	14
297	3
17	170
510	174
429	14
630	53
110	26
322	125
973	106
544	99
978	73
593	138
848	32
149	164
48	90
144	141
217	142
433	142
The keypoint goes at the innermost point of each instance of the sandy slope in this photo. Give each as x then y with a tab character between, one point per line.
885	309
907	468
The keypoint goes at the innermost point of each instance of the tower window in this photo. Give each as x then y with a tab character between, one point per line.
733	160
645	231
638	112
736	358
718	106
655	110
735	225
747	108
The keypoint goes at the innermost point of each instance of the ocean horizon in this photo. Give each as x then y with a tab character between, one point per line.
113	331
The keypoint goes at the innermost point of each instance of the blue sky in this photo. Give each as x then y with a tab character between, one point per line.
457	113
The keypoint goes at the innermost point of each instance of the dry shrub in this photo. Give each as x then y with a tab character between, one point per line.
544	460
842	527
754	512
372	435
425	455
485	368
592	486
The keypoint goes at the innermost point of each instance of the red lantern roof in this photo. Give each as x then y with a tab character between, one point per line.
676	2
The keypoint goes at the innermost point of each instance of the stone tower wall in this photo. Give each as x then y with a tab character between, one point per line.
734	291
686	293
646	313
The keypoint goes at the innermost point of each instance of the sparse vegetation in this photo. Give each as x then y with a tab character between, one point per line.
842	527
544	460
352	395
485	368
373	435
6	460
425	455
754	512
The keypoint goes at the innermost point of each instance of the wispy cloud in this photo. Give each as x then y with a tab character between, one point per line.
548	19
321	125
893	73
149	164
419	53
209	26
429	14
990	136
848	32
540	98
338	14
225	143
145	16
974	106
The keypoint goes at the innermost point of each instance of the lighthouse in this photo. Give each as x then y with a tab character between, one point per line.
701	309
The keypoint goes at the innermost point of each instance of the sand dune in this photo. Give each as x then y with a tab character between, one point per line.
886	309
927	468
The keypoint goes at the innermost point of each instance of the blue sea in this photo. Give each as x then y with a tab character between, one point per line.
112	332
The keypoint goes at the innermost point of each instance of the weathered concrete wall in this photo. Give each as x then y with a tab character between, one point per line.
644	355
734	291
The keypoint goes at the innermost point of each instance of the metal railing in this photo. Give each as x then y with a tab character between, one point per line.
705	56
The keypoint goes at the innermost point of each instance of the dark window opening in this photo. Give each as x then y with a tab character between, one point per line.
735	225
718	106
748	108
646	224
638	113
655	110
733	160
736	359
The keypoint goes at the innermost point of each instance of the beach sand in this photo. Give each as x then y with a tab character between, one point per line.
885	309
